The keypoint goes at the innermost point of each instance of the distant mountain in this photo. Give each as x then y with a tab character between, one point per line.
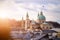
55	24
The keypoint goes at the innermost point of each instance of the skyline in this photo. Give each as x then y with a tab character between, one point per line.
16	9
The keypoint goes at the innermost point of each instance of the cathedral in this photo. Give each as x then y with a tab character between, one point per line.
40	23
33	30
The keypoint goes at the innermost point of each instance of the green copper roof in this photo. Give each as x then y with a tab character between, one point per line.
41	16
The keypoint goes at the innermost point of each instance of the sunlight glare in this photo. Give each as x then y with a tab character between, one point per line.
3	15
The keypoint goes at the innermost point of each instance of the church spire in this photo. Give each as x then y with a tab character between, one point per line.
27	16
41	13
27	22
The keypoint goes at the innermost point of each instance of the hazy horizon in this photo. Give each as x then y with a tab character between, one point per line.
16	9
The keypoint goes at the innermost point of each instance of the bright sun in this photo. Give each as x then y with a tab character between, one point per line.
3	15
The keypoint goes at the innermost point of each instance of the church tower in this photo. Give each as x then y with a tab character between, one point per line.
27	22
41	18
22	23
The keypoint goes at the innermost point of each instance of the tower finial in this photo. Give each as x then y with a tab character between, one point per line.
38	15
41	13
27	15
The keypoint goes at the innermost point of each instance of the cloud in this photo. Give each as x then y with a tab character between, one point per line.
51	11
38	1
18	8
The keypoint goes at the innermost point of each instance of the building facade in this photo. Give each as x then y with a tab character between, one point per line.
29	28
39	23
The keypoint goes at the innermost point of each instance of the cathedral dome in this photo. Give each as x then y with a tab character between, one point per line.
41	16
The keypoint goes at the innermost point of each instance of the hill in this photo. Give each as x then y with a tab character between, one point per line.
55	24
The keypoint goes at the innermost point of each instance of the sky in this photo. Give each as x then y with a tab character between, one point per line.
16	9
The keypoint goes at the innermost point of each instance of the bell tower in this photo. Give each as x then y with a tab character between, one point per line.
27	22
